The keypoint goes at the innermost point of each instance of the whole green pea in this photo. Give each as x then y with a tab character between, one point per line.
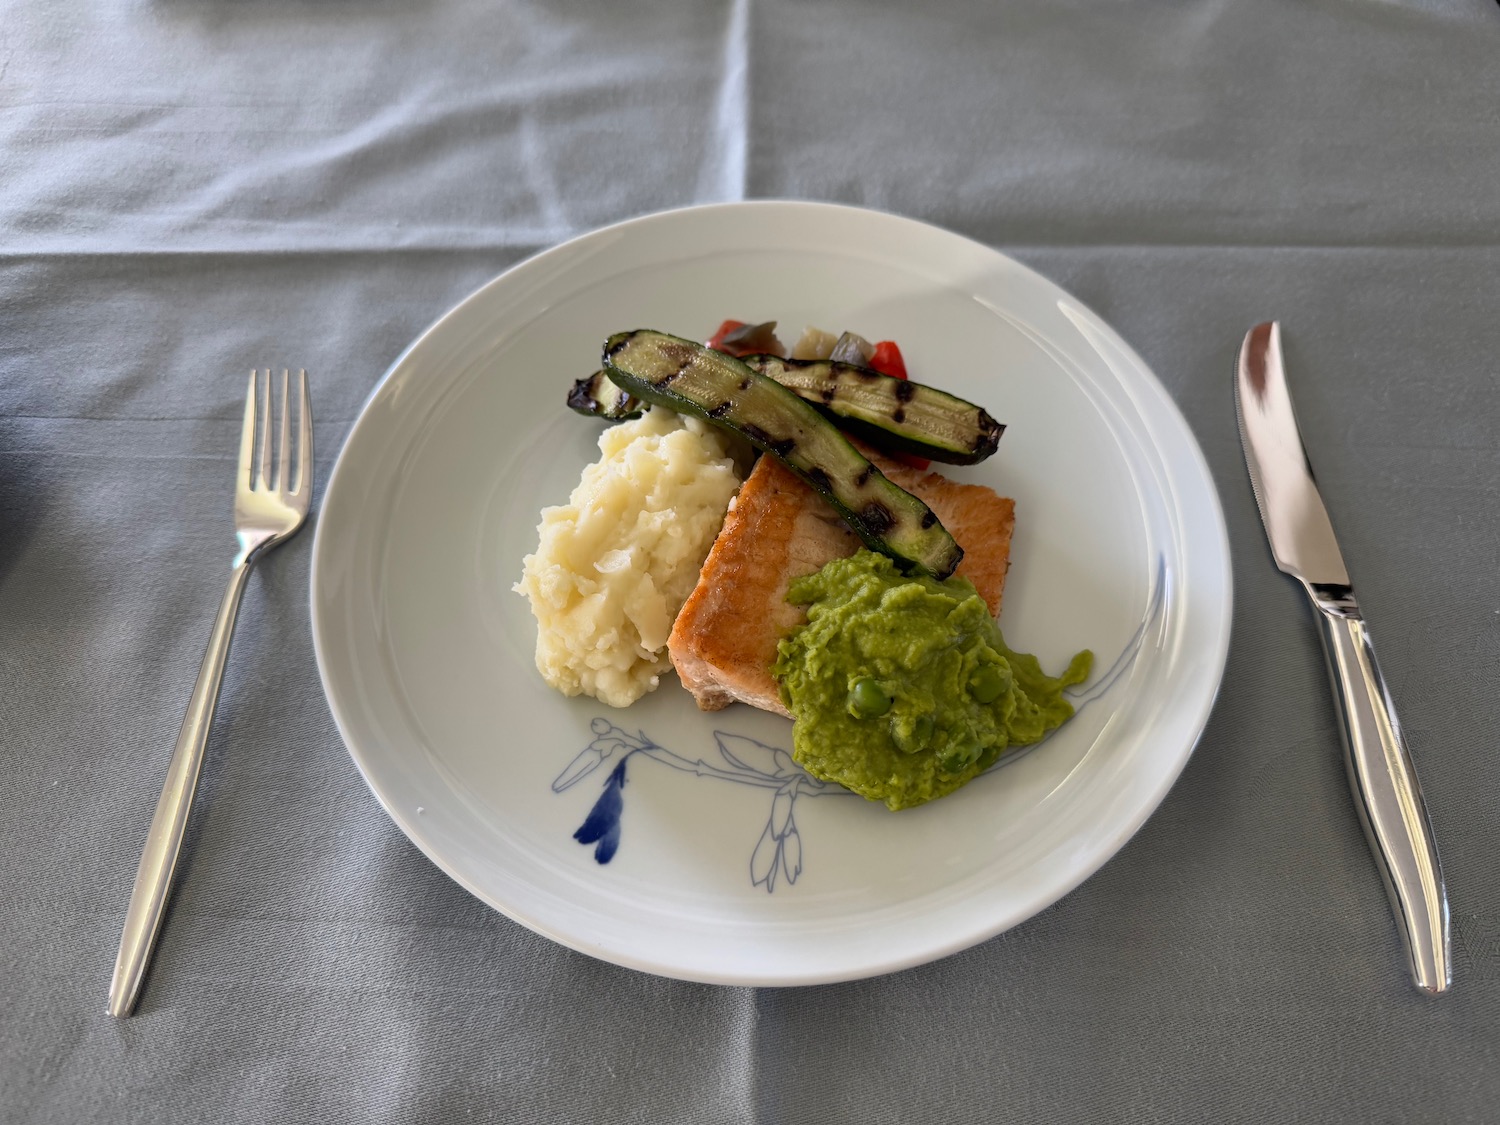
911	736
868	699
989	683
962	752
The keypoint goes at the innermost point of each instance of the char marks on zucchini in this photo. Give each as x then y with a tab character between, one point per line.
597	397
889	413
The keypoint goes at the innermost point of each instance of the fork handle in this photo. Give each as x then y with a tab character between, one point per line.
153	879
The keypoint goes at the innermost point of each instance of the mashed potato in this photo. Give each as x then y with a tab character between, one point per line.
617	561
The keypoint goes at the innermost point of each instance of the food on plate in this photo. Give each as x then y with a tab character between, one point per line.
901	686
597	397
614	564
779	529
893	413
852	348
846	588
888	412
737	338
687	377
887	359
814	343
883	356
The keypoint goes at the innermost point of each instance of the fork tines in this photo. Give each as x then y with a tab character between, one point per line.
256	437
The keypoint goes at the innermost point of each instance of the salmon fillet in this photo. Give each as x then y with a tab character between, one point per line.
724	640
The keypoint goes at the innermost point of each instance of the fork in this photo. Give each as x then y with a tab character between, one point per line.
267	512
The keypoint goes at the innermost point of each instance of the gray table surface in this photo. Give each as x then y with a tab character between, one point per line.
191	187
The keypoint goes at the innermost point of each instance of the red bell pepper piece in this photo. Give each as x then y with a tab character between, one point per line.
887	360
716	341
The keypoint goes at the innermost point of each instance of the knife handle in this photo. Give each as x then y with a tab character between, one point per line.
1386	793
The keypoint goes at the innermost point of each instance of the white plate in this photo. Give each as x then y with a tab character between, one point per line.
728	869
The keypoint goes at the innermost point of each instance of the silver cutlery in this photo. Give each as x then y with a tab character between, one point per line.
271	499
1381	774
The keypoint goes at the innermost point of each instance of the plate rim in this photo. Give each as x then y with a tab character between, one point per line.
968	938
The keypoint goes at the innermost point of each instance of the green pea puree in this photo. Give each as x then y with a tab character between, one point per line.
902	688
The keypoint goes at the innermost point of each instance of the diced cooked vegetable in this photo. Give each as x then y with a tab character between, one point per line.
889	413
852	348
716	341
739	339
814	343
887	359
597	397
689	378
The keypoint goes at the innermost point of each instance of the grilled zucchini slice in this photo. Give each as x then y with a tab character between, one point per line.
597	397
891	414
887	412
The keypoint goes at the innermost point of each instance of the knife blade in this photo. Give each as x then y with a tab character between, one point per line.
1381	774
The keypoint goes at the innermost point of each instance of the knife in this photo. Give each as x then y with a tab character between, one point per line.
1386	793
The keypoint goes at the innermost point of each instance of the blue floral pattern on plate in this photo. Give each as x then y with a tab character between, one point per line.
746	761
